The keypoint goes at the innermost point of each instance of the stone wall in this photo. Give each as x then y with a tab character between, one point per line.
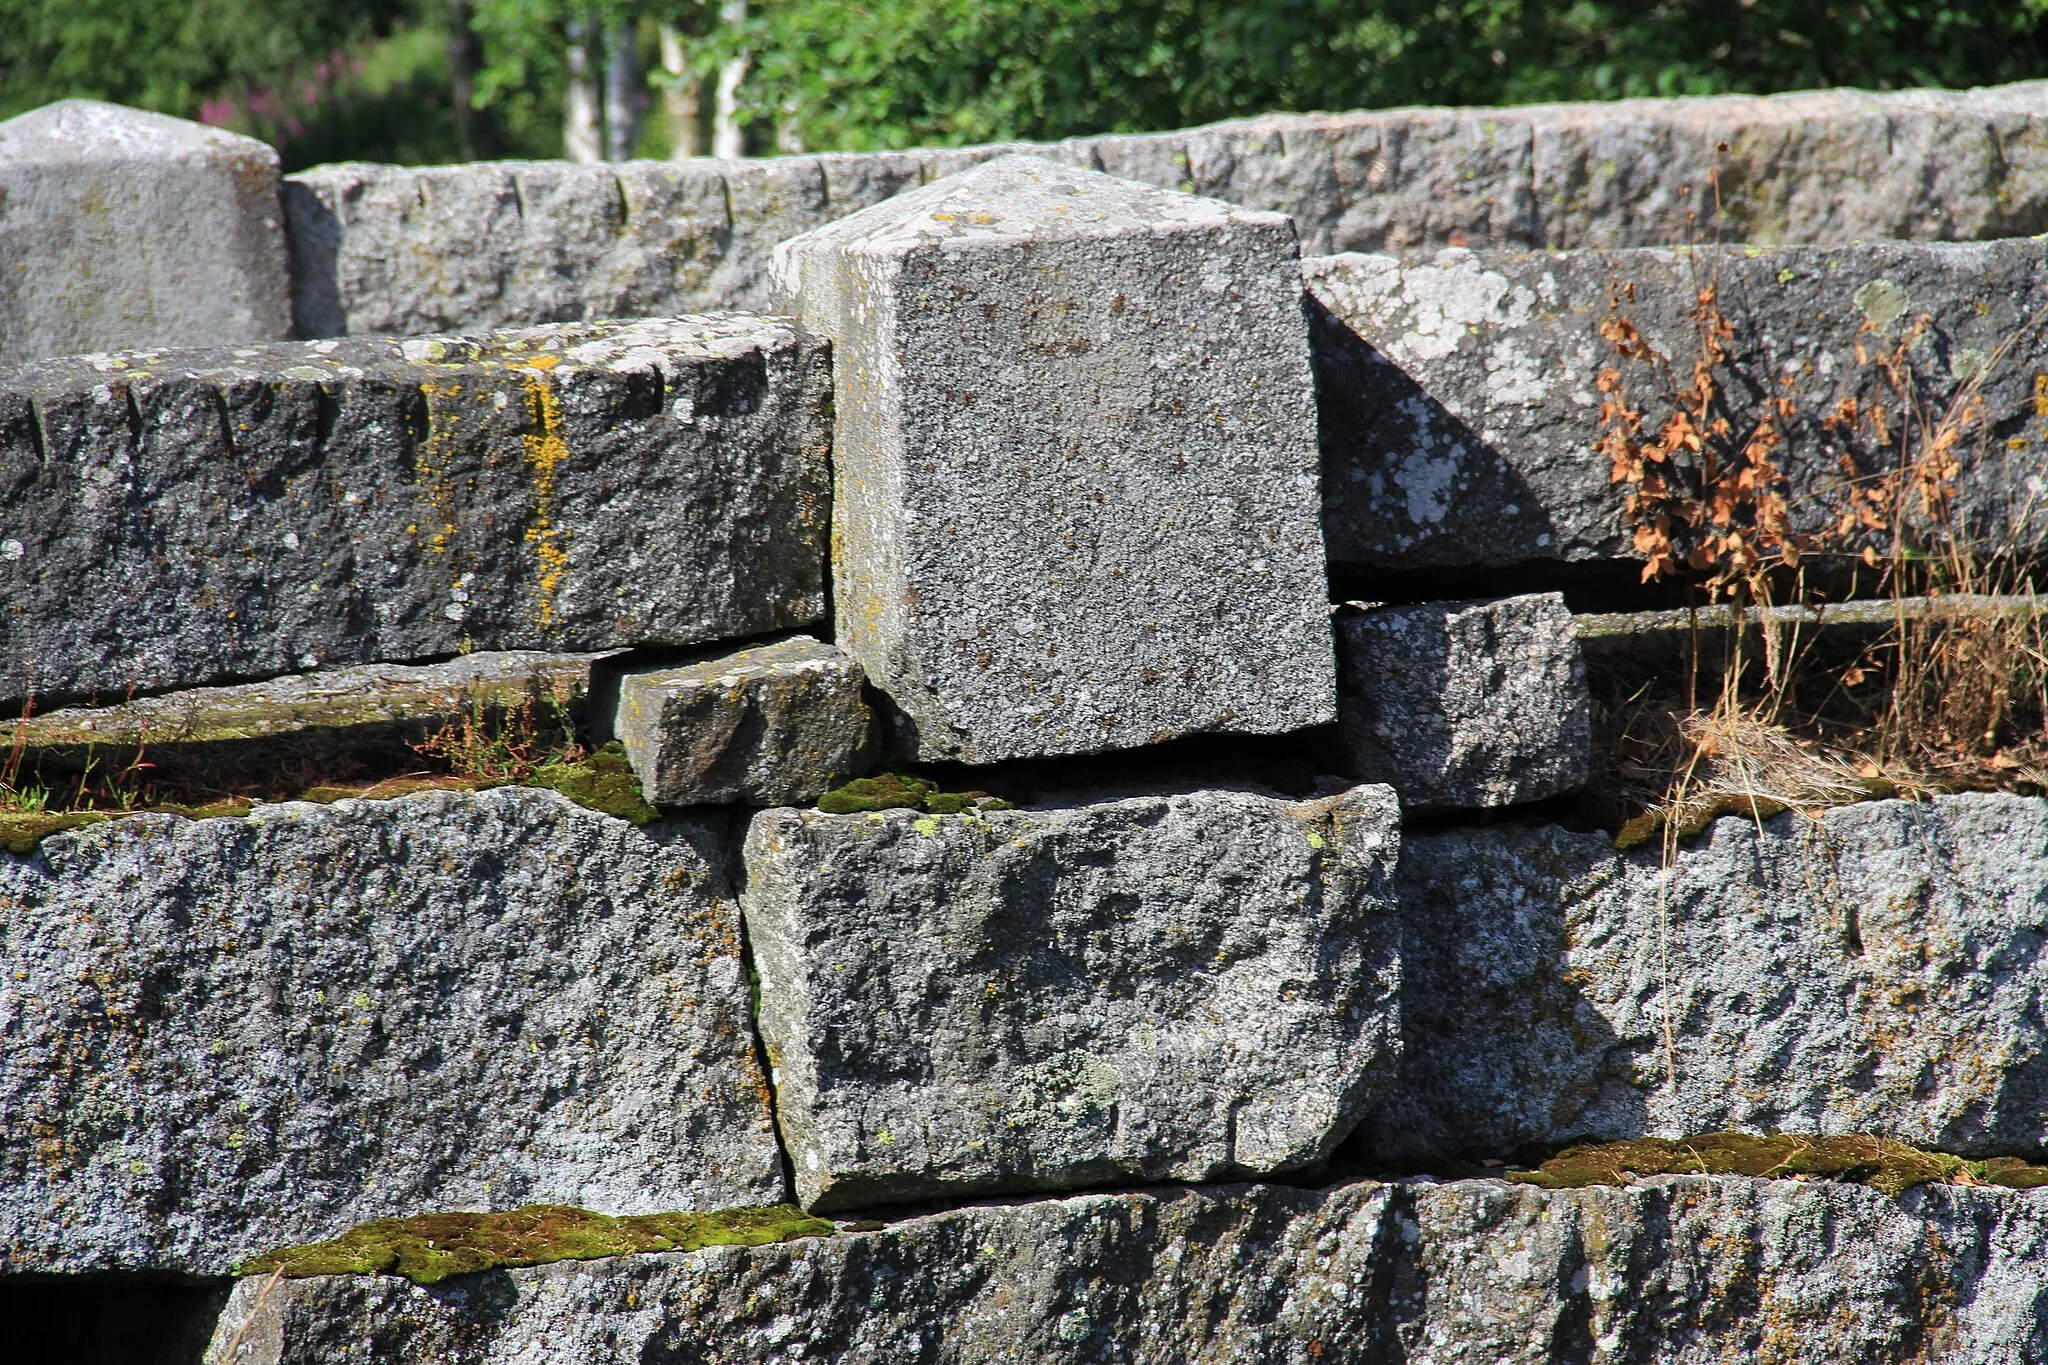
1038	851
399	250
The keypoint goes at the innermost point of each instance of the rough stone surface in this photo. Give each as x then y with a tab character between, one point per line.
182	518
1465	704
1459	400
1184	987
364	710
223	1036
1687	1271
121	228
1074	464
426	249
772	725
1879	970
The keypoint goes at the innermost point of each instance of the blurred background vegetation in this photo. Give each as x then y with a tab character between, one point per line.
447	80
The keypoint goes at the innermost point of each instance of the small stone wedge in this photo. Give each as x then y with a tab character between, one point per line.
1465	705
770	725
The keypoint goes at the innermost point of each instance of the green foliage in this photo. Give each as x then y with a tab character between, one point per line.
850	74
172	54
892	73
432	1247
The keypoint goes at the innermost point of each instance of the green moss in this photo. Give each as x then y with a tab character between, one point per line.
432	1247
904	791
20	833
602	782
1882	1163
883	791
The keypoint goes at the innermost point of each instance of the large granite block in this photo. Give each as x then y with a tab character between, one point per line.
1460	400
1465	705
1074	466
121	228
222	1036
412	249
176	519
1878	970
1186	987
1681	1271
770	725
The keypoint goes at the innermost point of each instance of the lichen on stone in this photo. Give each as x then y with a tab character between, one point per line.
432	1247
1882	1163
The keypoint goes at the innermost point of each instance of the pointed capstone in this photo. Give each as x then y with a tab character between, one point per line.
121	228
1076	482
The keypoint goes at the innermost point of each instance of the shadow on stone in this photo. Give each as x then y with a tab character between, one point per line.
1502	1052
1406	483
108	1322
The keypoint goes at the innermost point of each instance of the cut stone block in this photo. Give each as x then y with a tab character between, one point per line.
1074	472
1465	705
367	714
1185	987
178	519
1681	1271
121	228
773	725
1878	970
1460	399
408	250
222	1036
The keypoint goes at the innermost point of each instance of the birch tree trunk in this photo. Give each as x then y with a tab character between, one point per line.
682	99
727	137
621	91
581	140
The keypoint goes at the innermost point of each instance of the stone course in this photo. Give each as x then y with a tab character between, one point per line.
1465	704
222	1036
1877	970
1186	987
1459	398
771	725
121	228
350	715
443	248
1685	1270
173	519
1074	464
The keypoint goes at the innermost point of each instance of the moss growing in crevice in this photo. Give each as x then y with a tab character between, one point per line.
432	1247
20	832
602	782
1883	1163
904	791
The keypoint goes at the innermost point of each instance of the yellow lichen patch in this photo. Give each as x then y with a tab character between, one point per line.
431	461
546	452
432	1247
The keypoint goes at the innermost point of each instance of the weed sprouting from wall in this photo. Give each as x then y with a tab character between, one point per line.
1948	696
1944	696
